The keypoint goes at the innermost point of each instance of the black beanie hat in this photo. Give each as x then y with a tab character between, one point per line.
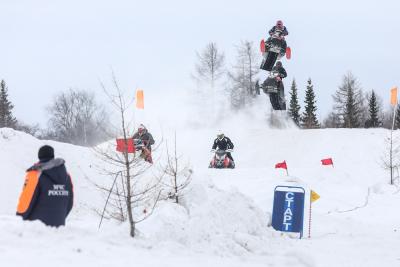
46	153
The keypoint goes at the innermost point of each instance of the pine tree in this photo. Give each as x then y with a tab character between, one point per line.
397	119
309	117
349	102
294	108
6	117
373	108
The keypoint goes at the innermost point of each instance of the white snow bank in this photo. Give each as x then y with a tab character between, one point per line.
225	224
210	219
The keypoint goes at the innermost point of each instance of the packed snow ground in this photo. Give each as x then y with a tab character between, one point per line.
225	219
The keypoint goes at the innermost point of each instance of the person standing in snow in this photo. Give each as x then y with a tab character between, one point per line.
143	135
47	194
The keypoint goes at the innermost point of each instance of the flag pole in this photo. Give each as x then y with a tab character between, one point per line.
287	171
394	102
309	218
391	145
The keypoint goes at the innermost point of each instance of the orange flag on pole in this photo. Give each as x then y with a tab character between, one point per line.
393	96
139	99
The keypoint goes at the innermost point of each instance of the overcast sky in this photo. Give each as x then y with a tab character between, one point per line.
50	46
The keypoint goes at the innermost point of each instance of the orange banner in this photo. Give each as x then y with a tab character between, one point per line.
140	99
393	96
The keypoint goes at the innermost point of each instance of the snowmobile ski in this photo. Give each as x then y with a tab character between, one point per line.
288	53
262	46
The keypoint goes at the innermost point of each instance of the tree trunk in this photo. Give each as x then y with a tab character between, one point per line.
129	195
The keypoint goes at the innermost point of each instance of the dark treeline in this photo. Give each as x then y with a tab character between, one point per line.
352	107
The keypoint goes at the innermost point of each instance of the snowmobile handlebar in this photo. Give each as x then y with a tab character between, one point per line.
274	74
226	150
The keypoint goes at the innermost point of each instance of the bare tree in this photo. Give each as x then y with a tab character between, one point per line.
134	193
387	119
332	121
210	66
33	130
391	156
76	118
178	178
242	78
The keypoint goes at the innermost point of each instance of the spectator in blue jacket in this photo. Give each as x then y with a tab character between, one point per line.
48	193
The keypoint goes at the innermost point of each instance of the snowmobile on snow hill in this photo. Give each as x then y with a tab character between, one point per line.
221	160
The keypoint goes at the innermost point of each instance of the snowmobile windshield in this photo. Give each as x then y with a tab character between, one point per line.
220	152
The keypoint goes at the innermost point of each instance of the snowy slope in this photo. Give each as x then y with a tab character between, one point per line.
227	212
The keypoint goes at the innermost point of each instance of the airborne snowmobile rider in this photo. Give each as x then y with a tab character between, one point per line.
282	74
279	68
147	139
223	142
279	27
281	32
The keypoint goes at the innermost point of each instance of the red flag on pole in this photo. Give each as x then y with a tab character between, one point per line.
281	165
327	161
125	145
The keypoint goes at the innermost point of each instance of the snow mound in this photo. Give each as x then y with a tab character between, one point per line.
223	222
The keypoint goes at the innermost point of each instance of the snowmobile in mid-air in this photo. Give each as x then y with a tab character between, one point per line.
273	86
272	50
221	160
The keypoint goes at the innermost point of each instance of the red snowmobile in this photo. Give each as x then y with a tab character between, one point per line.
221	160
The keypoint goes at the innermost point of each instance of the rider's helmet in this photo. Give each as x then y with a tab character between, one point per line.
141	129
279	24
279	64
220	135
